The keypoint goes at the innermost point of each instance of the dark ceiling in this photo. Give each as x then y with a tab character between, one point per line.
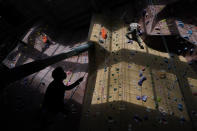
64	13
60	11
16	16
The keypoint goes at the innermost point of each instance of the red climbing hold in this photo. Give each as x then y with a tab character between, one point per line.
44	39
103	33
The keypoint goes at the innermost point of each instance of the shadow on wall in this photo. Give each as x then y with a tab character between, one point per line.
122	115
21	110
157	63
136	55
175	44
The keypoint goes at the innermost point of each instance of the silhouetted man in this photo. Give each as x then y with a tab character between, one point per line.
54	96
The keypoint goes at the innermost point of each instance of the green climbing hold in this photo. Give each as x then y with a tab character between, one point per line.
156	105
110	96
115	89
159	99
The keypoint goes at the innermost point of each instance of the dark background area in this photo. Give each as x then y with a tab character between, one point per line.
62	17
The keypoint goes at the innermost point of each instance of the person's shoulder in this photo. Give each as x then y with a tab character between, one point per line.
52	84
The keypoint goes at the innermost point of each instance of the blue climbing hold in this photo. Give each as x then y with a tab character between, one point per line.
180	107
144	98
195	43
185	48
141	74
180	24
186	37
182	119
166	60
189	32
143	78
130	41
138	97
101	41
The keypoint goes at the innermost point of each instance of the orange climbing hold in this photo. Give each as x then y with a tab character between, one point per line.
44	39
103	33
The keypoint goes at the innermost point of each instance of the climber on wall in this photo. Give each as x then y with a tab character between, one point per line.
134	30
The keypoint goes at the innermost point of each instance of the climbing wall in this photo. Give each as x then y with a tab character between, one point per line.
34	49
154	25
134	89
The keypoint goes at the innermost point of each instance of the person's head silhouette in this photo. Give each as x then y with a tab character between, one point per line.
59	74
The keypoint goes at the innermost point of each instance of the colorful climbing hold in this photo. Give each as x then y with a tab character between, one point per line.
140	74
180	24
165	60
144	98
189	32
130	41
158	99
101	41
182	119
180	107
142	79
103	33
138	97
186	37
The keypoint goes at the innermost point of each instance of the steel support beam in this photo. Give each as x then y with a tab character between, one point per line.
22	71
